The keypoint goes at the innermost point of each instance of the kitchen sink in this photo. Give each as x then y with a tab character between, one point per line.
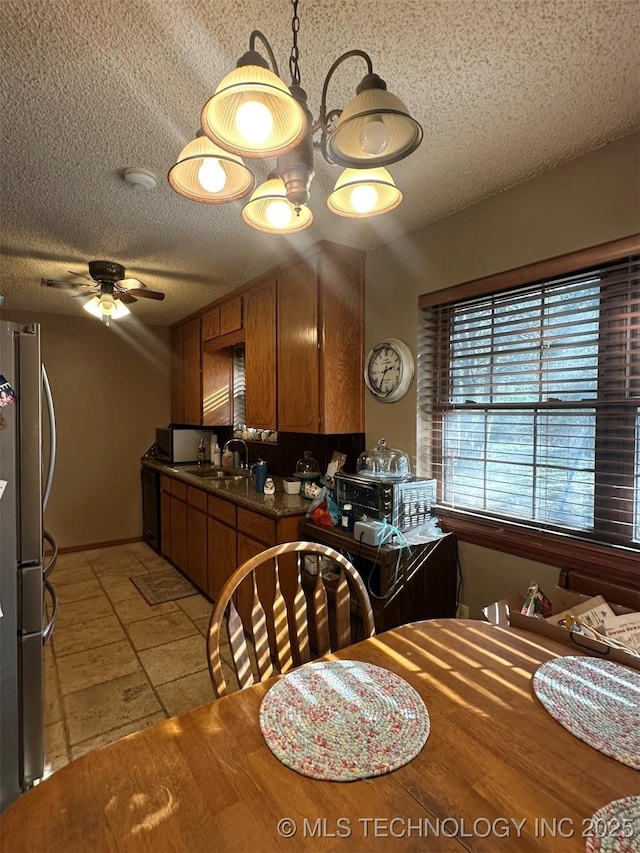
215	474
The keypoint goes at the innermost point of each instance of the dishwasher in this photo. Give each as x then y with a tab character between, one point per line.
151	508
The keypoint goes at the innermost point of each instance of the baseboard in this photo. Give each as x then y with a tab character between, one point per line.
69	549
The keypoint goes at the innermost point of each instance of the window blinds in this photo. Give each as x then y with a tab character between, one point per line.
529	402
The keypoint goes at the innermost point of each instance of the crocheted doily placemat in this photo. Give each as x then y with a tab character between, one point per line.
615	828
343	720
597	700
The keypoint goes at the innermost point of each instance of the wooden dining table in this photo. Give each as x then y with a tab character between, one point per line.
497	772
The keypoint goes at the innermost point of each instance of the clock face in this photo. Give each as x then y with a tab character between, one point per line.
389	370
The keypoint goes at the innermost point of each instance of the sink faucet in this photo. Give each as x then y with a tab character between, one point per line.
244	444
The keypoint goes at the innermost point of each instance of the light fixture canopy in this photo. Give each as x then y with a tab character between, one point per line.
253	114
207	173
364	192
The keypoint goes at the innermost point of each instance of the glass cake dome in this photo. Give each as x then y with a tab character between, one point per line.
384	463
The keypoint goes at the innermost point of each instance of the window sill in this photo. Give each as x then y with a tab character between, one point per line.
567	552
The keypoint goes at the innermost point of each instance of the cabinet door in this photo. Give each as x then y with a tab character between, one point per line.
196	568
211	324
231	315
191	374
260	356
222	555
177	375
341	357
179	533
217	387
298	349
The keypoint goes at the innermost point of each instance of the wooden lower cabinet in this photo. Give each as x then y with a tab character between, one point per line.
222	541
207	537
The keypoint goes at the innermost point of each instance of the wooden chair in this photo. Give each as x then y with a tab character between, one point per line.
274	624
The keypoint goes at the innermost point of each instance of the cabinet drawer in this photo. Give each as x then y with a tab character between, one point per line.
197	498
231	316
178	490
165	483
222	510
211	324
257	526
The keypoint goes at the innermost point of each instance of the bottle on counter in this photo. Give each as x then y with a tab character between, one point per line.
213	445
346	519
217	457
261	475
202	453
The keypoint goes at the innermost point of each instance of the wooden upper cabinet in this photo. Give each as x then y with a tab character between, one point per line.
341	356
231	315
186	387
211	324
177	375
260	356
192	373
320	344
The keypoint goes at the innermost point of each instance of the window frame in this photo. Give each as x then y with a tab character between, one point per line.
523	539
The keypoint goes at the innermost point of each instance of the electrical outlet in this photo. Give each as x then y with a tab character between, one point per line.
463	611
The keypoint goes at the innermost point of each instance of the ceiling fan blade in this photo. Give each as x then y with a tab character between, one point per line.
126	298
81	274
63	285
147	294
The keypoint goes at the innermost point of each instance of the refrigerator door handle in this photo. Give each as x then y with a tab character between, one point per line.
48	631
53	437
54	555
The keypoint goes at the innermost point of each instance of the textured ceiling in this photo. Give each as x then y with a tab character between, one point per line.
504	90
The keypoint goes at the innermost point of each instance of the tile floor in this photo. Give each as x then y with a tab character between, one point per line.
117	664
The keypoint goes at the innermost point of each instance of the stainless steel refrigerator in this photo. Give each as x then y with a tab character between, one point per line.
27	461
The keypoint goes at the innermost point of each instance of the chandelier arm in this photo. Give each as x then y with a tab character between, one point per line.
324	118
265	41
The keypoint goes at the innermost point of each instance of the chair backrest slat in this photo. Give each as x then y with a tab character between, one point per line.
299	623
284	658
300	615
239	649
343	612
260	634
321	614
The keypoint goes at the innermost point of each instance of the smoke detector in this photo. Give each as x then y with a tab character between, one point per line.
140	178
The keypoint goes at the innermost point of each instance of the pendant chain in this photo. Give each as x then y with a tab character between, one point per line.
295	53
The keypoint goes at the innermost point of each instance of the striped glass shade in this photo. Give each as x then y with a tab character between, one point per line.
231	178
269	210
364	192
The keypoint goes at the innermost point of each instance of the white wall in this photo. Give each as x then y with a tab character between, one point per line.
110	390
590	200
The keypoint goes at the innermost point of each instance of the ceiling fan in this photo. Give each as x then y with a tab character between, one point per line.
112	292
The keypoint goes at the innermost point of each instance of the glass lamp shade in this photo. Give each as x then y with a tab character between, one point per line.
374	129
106	306
253	114
364	192
269	210
206	173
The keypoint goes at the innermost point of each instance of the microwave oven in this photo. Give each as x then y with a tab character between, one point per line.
403	504
180	445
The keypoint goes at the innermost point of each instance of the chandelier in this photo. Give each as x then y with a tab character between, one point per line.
254	114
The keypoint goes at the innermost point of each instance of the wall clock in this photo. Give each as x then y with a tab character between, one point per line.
389	370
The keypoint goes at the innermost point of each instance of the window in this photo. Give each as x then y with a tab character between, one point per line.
529	399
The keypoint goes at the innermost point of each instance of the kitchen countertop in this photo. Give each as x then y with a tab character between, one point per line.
240	491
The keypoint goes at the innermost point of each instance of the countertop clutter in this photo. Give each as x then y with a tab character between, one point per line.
234	485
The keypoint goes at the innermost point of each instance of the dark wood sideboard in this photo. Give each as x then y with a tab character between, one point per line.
404	585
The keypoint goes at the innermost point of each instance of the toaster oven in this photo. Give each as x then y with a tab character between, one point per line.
404	504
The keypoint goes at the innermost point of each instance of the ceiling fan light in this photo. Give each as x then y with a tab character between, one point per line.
270	211
253	114
364	192
185	177
92	307
374	129
121	311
